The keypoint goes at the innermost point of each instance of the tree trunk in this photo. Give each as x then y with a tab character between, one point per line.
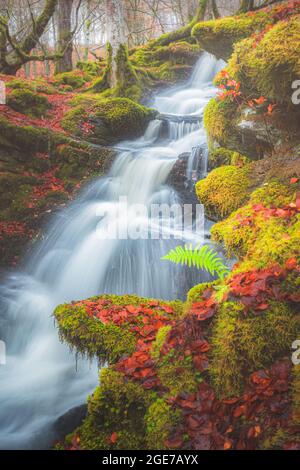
19	53
65	44
215	9
200	15
246	5
115	33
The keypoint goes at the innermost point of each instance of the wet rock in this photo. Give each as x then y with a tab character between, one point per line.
66	423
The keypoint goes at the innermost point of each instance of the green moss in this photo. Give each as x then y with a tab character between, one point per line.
73	119
196	292
26	102
117	406
75	79
173	73
89	336
219	36
103	83
111	120
38	85
90	67
264	240
30	139
270	68
160	340
173	36
161	418
219	120
221	156
126	75
242	345
224	190
176	53
177	374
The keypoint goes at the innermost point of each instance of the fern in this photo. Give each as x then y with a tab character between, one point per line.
202	257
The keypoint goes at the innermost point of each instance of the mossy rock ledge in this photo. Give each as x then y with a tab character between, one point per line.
108	121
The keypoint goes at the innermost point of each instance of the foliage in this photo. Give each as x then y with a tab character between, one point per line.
202	257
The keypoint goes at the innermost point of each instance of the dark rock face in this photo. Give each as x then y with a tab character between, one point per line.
184	187
66	423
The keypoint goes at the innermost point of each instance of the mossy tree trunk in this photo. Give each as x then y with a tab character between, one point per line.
215	9
246	5
200	15
65	35
115	21
14	54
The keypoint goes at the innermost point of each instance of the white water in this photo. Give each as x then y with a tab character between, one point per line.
39	382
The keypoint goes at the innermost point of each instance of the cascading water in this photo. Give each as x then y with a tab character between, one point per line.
39	382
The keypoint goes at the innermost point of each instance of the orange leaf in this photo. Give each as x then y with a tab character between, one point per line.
114	438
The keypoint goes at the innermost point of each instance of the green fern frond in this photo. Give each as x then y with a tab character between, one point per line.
201	257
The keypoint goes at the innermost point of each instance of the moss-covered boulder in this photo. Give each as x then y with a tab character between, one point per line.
220	35
242	344
249	114
115	418
75	79
260	231
27	102
108	121
224	190
38	85
268	67
106	327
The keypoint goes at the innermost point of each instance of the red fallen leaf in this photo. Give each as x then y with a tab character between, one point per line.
260	100
262	307
188	404
206	428
294	298
202	443
230	401
228	444
114	438
200	363
260	378
239	411
75	443
174	443
167	309
200	346
271	108
291	264
192	423
254	431
132	309
294	180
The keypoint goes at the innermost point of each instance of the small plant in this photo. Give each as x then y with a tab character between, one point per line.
202	257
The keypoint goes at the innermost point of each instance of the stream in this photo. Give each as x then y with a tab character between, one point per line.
81	257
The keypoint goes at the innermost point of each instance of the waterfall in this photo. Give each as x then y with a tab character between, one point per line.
78	259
